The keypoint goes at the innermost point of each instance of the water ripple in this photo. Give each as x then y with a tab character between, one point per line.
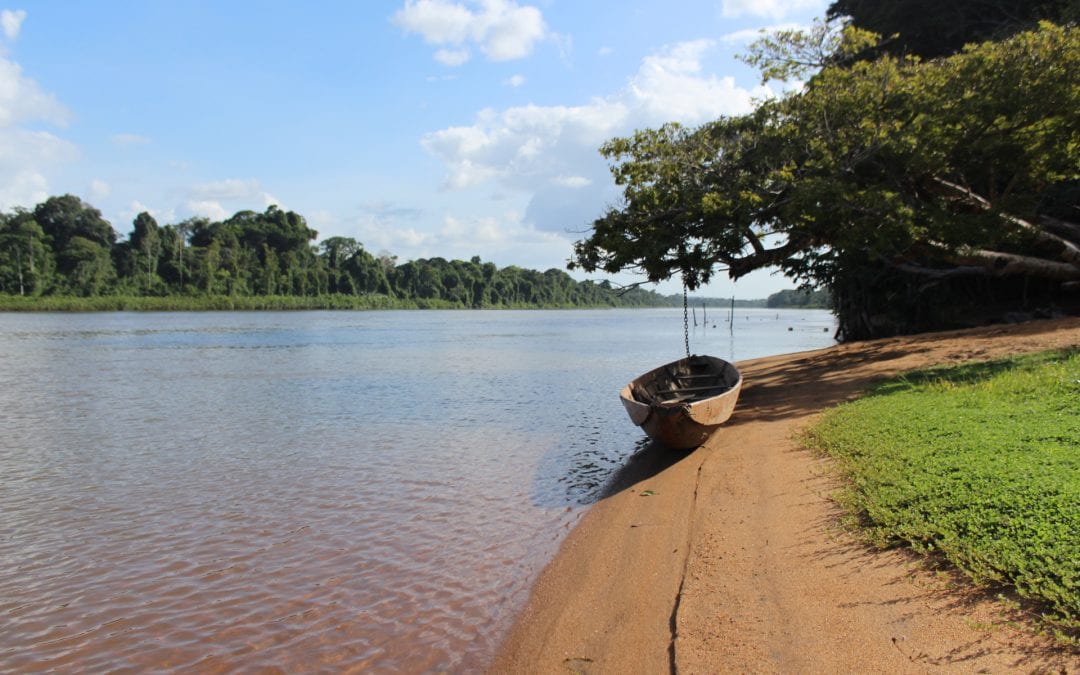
356	492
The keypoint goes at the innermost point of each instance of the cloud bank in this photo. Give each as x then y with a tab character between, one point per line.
551	152
26	151
501	29
11	22
768	9
219	200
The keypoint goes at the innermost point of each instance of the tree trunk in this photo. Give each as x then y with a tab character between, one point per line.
18	263
1009	264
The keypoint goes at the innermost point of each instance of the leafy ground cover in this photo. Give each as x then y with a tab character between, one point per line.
980	463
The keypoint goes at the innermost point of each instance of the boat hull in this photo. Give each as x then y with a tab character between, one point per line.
686	423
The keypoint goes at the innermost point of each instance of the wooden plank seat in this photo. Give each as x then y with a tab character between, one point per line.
686	390
670	397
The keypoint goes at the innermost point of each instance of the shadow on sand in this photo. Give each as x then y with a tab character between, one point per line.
650	459
587	478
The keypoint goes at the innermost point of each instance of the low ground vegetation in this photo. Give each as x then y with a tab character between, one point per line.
979	463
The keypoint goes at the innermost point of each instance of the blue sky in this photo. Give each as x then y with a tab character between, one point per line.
424	128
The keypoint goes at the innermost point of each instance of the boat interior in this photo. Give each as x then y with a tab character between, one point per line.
687	381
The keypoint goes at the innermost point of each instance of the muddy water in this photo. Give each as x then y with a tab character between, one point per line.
308	491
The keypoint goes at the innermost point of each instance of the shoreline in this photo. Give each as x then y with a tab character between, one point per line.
733	558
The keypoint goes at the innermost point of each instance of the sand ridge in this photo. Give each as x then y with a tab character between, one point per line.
732	558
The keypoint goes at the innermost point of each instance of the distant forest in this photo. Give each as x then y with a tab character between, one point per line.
802	299
64	248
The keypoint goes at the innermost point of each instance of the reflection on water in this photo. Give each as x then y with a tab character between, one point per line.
308	491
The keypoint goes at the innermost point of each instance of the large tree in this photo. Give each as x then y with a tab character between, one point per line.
82	242
931	28
145	242
25	260
932	170
65	217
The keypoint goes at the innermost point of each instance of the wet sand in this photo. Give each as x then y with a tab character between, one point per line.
732	558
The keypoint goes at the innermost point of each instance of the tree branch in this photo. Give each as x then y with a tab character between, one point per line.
1062	228
767	257
938	274
1009	264
1069	252
758	247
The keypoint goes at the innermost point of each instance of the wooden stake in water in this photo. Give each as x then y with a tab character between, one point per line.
704	319
731	324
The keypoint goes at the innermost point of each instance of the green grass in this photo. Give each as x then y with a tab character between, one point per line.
980	463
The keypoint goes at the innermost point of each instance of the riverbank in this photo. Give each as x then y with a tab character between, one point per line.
733	559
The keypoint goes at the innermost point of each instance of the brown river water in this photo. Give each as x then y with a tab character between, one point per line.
310	491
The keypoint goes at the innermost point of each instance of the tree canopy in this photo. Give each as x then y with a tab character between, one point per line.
64	247
930	28
963	166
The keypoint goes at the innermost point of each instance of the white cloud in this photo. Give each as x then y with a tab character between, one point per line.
564	44
571	181
379	231
386	210
549	154
480	231
500	238
438	21
27	155
745	37
22	188
527	146
12	22
522	143
21	100
452	57
409	238
605	51
769	9
99	189
501	29
270	200
509	31
669	86
515	80
29	150
136	207
494	238
221	199
231	188
207	208
125	140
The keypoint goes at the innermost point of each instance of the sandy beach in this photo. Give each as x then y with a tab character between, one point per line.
732	558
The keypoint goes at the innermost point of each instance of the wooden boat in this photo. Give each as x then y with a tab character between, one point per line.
681	403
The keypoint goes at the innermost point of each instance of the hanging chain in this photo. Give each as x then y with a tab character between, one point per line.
685	319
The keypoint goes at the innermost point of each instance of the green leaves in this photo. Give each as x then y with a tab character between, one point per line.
919	167
980	462
789	55
253	255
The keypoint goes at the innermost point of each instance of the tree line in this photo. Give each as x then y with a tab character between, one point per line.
926	173
64	247
800	299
